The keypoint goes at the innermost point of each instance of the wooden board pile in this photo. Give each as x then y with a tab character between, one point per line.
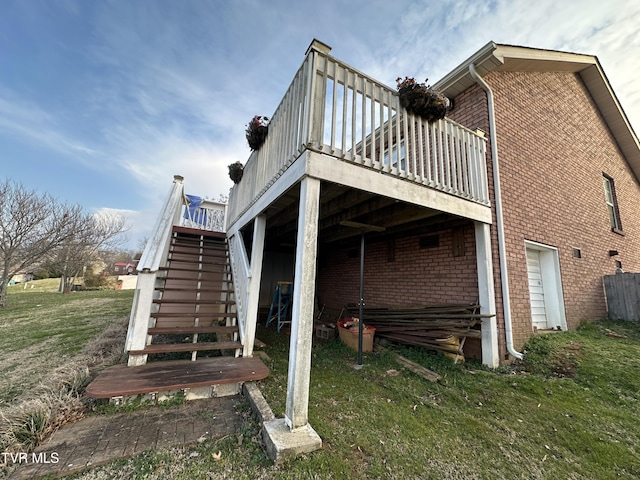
443	328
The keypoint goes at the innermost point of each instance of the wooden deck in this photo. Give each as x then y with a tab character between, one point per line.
121	380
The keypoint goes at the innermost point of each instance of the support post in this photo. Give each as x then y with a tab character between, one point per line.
253	296
303	303
487	296
140	315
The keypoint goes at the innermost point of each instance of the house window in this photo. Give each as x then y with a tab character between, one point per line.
612	204
393	156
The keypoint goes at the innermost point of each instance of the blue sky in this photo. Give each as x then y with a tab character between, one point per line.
102	102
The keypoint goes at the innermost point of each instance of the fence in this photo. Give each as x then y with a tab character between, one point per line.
623	296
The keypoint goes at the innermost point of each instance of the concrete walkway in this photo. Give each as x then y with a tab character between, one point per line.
97	440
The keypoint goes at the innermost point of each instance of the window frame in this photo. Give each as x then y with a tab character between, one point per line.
612	203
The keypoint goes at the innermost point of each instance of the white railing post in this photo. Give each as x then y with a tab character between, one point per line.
241	278
253	287
153	257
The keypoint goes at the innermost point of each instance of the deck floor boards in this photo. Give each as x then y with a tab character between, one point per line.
122	380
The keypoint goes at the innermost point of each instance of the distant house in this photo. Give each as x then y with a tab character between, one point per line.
22	278
124	268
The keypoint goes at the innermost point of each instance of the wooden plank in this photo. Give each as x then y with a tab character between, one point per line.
195	290
121	380
193	301
196	251
207	316
195	268
196	231
189	330
186	347
419	369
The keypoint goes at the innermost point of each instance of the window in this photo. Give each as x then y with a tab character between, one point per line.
612	204
393	156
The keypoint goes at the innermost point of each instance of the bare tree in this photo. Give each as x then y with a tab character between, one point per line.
92	233
32	225
36	229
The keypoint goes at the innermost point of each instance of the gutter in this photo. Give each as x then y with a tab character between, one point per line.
506	302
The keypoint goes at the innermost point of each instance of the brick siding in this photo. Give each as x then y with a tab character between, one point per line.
554	147
416	276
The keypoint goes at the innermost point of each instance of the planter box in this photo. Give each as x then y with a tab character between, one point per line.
350	337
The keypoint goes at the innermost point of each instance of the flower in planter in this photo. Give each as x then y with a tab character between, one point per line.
352	324
422	99
257	131
235	172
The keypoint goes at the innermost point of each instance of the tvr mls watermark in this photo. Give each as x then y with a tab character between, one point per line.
23	457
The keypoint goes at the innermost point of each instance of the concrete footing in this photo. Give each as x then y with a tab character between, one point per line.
281	443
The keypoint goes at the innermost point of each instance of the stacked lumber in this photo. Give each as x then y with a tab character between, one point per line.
427	326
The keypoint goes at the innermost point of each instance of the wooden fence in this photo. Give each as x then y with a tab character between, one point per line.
623	296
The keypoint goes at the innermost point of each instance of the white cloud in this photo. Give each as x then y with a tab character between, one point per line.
167	87
32	124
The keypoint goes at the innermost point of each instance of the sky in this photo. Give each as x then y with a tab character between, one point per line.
102	102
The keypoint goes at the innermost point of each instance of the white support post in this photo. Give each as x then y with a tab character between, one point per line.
253	296
140	314
296	415
486	292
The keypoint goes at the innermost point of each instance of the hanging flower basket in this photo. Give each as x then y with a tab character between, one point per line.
422	100
257	131
235	172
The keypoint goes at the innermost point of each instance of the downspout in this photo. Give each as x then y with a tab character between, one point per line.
506	302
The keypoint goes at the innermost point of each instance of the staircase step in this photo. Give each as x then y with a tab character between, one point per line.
199	243
190	330
192	301
195	290
189	255
180	230
193	316
186	347
121	380
194	268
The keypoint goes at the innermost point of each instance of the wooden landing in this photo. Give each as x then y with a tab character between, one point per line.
122	380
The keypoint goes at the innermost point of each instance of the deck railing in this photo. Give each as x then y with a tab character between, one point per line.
334	109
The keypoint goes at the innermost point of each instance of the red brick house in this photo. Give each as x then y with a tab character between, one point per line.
569	164
520	201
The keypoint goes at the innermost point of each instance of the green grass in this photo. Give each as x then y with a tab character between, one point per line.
570	410
41	329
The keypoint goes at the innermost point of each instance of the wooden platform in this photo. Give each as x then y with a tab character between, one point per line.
121	380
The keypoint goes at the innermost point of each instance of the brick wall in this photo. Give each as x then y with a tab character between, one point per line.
413	276
553	149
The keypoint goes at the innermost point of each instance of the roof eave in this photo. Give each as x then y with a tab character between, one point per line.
505	57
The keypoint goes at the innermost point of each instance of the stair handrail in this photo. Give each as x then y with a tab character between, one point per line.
153	256
157	247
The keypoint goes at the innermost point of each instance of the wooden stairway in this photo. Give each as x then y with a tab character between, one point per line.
194	308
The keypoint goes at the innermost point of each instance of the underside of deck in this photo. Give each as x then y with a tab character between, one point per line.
122	380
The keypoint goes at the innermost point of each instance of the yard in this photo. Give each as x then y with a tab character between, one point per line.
570	410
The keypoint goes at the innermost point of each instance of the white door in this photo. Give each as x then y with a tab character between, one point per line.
536	290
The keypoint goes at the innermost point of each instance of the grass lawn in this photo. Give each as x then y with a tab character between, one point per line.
41	330
570	410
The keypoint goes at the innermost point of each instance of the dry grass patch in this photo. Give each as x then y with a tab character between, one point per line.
52	345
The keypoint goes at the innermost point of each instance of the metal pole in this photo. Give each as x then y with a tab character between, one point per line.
360	312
